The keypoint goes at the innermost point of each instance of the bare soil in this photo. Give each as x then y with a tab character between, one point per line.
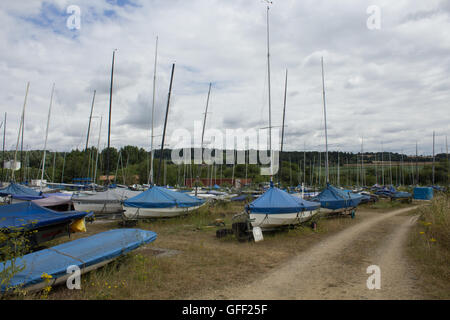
336	267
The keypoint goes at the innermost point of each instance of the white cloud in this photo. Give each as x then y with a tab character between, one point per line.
389	84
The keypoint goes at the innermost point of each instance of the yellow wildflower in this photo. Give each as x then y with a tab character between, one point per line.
46	276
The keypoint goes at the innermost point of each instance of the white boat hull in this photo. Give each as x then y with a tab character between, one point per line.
134	213
274	220
99	208
326	211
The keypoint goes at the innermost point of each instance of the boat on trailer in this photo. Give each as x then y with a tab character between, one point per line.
16	193
277	208
87	254
159	202
39	224
105	202
333	200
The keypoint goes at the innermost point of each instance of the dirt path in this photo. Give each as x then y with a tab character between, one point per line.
335	268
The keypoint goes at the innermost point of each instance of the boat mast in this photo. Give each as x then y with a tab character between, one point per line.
282	127
363	174
433	160
448	165
382	164
53	169
64	165
21	144
109	124
46	136
20	130
390	167
325	119
338	171
165	124
150	178
203	132
90	119
417	169
3	153
98	148
87	137
269	96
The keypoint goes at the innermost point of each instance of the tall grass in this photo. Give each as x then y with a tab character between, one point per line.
430	247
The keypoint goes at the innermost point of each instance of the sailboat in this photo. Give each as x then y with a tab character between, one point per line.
276	208
157	202
333	200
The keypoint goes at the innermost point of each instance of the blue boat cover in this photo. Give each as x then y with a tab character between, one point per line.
401	194
333	198
159	197
423	193
29	216
20	192
275	201
216	186
56	194
82	252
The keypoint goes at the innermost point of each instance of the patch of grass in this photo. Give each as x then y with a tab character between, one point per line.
429	247
204	262
384	205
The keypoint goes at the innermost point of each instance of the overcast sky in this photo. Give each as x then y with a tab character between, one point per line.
390	85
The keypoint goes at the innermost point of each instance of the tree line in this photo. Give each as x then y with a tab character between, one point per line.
131	164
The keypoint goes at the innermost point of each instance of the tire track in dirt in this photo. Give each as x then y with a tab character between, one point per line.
335	268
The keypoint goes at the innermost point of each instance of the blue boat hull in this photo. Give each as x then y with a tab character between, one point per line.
85	253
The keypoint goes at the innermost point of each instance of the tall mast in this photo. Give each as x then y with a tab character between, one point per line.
363	175
109	124
433	159
87	137
46	136
338	171
304	163
270	99
325	119
165	124
98	148
20	129
382	164
21	144
150	179
203	130
448	165
390	167
4	138
282	127
64	165
204	118
53	169
89	126
417	169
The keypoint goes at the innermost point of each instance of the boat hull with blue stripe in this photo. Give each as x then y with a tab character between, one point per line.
158	202
85	253
277	208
